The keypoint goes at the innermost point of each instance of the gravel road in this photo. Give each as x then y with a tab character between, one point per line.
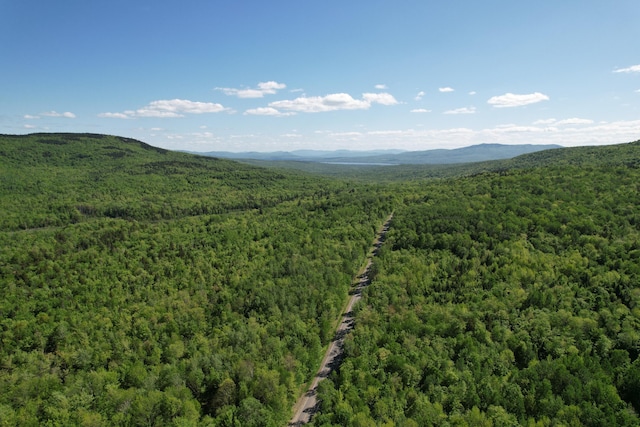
307	405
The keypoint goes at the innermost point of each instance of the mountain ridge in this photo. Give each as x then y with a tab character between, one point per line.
473	153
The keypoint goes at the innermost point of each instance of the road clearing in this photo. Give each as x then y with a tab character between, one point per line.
308	404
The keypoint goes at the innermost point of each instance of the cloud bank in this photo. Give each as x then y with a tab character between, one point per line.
266	111
567	132
464	110
572	121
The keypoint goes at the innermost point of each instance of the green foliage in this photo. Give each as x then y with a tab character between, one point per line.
143	287
72	178
146	287
506	298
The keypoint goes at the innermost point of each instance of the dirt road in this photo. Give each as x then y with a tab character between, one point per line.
307	405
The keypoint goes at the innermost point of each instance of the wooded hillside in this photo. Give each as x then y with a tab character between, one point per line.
144	287
506	298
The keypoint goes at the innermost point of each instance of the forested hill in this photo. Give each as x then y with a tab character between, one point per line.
624	155
58	179
146	287
510	297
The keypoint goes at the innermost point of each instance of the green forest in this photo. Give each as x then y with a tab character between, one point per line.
144	287
501	299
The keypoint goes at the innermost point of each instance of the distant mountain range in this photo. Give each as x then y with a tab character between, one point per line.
474	153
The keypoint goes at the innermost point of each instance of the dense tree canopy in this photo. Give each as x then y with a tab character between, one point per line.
146	287
506	298
170	289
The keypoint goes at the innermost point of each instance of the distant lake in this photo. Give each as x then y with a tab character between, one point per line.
359	164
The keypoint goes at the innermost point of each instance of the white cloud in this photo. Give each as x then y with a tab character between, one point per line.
333	102
168	109
152	112
114	116
315	104
515	128
350	135
291	135
420	95
30	117
176	107
473	92
204	135
420	110
545	122
575	121
632	69
266	111
248	135
515	100
243	93
388	132
379	98
446	89
464	110
571	121
381	87
271	86
264	88
29	126
67	114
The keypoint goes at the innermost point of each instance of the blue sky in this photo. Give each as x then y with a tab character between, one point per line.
284	75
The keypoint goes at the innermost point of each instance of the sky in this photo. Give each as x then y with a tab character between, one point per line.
256	75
